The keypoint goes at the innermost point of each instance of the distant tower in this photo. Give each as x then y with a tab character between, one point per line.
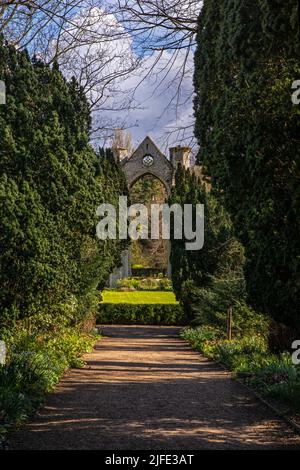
120	153
180	155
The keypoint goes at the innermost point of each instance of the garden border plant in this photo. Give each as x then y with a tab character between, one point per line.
272	376
36	360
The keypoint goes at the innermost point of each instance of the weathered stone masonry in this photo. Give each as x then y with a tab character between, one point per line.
148	159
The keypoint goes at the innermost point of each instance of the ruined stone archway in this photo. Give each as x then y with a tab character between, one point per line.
147	159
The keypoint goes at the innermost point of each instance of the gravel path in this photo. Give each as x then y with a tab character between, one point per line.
144	388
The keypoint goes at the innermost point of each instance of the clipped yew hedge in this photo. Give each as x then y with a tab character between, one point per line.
140	314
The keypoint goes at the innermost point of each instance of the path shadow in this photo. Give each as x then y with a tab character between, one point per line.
142	402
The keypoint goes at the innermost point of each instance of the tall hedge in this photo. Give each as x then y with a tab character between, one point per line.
246	61
51	182
222	255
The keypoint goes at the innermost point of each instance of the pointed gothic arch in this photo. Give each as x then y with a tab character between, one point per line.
147	159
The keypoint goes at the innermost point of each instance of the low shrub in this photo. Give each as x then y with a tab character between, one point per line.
210	306
288	393
149	283
140	314
241	353
275	370
35	362
272	375
198	337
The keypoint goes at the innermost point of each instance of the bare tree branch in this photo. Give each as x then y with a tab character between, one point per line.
103	42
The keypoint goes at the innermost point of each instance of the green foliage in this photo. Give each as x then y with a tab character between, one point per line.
272	375
221	257
248	129
164	284
240	354
156	284
51	264
36	361
210	305
51	182
144	314
200	336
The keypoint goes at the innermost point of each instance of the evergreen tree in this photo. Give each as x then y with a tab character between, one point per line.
246	61
50	188
221	256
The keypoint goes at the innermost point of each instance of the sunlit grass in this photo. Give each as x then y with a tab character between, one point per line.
139	297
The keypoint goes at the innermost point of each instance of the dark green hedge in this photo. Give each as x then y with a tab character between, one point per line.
145	314
246	61
51	182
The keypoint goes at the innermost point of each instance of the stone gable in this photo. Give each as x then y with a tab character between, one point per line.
155	164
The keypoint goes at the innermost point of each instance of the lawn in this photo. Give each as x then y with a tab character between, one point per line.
139	297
